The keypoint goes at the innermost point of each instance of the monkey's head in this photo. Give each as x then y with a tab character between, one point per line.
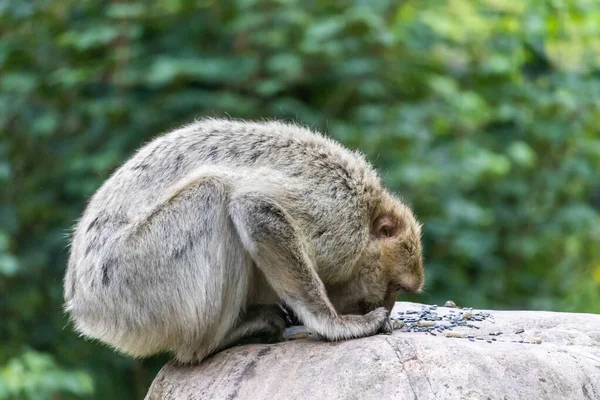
391	262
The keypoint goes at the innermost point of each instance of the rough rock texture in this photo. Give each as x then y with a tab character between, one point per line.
566	365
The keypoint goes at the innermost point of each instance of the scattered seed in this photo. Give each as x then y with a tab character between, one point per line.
450	304
427	320
396	324
519	331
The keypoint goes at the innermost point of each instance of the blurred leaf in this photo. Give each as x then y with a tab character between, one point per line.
8	264
522	154
35	375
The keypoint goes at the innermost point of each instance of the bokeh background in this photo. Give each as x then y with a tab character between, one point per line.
484	115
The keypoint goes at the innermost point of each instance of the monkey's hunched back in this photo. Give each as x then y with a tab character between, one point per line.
188	246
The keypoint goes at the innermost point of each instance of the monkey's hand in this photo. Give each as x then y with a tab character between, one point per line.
386	328
280	251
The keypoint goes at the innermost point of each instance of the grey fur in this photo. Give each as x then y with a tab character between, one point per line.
187	246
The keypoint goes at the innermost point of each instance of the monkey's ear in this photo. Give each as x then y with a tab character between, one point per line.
385	226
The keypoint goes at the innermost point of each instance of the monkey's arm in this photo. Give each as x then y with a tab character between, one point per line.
281	253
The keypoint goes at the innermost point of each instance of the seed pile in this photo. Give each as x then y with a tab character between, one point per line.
428	321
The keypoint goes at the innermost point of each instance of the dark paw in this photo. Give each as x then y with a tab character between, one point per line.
289	316
270	337
271	334
275	323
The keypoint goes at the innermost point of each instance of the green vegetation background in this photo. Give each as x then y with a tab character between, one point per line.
484	115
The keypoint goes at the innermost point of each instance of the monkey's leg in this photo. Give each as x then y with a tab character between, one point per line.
259	324
191	269
279	251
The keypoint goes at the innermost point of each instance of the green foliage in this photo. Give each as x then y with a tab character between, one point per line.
483	114
35	375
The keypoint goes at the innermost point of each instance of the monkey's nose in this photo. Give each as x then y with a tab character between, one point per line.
412	284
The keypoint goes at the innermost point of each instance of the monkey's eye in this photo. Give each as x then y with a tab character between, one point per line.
385	226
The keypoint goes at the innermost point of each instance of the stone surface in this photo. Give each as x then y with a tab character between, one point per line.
415	365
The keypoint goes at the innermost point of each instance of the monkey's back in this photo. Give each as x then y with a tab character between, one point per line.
331	170
335	187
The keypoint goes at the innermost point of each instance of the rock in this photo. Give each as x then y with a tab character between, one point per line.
561	361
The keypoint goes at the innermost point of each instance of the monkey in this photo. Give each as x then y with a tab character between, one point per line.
192	242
